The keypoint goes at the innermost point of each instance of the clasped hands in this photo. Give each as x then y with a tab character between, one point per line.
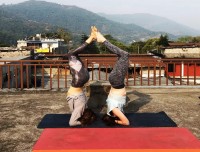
95	35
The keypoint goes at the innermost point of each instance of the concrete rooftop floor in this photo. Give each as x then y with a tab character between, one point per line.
21	112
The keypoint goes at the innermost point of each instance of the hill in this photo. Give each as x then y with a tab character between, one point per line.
153	23
76	20
13	28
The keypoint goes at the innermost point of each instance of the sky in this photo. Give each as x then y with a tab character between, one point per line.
186	12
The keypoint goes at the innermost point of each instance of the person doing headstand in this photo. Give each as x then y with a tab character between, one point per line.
117	95
76	97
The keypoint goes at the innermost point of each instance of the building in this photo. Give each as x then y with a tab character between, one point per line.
42	45
184	68
182	50
185	61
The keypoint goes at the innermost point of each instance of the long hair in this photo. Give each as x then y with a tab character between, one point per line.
109	120
88	117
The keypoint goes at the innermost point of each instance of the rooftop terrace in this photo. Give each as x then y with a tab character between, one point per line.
22	112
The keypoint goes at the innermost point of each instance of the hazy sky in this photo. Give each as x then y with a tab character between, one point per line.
186	12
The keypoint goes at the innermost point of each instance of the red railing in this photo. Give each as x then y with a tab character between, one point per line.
54	74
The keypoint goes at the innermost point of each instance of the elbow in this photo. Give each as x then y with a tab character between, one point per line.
74	123
123	122
71	124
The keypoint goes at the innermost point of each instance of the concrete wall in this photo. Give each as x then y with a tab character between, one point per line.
182	52
14	54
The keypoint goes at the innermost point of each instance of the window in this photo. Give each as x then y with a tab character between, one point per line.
171	68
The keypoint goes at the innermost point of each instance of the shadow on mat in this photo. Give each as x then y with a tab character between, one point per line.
159	119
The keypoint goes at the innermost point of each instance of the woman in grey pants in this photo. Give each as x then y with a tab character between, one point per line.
75	96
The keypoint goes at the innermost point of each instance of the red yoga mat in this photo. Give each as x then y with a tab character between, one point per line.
117	139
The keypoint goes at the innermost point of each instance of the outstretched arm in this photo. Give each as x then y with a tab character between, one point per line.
85	44
112	48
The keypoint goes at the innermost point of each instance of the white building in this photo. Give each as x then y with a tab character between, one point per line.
40	44
182	50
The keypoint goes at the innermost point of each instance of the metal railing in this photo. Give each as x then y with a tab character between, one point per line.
55	74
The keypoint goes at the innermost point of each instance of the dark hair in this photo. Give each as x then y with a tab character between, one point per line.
87	118
109	120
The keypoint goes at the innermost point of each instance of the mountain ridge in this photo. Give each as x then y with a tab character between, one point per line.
14	28
75	19
153	22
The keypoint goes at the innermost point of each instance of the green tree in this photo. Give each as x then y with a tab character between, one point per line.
59	34
189	39
104	50
163	40
185	39
195	40
150	44
63	34
135	48
91	48
84	37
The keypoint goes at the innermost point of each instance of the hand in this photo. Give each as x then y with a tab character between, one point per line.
93	32
93	35
100	37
